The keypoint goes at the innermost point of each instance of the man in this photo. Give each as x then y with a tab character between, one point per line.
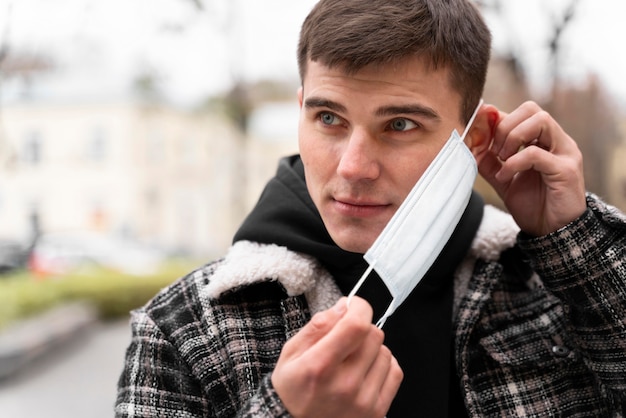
520	314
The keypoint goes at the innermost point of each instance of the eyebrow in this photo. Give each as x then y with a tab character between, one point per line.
315	102
418	110
415	109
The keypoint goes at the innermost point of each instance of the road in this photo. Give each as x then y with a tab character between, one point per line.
78	380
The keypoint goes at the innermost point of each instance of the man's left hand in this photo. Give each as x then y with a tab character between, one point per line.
537	170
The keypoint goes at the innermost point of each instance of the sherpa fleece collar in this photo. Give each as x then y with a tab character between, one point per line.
248	262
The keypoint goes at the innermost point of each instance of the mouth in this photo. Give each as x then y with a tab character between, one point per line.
359	209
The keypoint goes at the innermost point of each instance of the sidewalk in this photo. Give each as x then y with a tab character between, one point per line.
78	379
27	340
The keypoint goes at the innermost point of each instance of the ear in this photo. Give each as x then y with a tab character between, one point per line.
480	135
300	97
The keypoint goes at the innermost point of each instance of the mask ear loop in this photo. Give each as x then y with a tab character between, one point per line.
381	322
471	121
359	284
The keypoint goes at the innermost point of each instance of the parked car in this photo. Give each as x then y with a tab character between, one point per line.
13	256
65	252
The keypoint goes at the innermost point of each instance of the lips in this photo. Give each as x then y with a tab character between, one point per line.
358	208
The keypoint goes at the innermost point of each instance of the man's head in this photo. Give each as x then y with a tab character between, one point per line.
384	83
352	34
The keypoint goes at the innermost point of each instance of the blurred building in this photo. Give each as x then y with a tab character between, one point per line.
617	186
272	134
174	178
160	175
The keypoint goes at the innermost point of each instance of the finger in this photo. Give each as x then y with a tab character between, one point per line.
346	336
527	125
363	358
508	122
537	129
393	376
534	129
354	377
537	159
320	325
488	167
377	372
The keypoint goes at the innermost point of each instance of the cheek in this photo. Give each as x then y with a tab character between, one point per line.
317	155
406	172
305	146
306	140
310	154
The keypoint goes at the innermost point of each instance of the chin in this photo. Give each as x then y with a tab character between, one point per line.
354	236
353	244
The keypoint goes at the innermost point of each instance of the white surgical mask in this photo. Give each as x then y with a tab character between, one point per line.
415	235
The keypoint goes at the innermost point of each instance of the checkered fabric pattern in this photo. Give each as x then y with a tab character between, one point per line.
554	345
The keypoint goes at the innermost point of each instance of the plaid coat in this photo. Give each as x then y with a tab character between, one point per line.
553	345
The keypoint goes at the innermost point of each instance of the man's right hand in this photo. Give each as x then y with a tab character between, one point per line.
337	366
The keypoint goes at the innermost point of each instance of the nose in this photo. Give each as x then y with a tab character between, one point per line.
359	157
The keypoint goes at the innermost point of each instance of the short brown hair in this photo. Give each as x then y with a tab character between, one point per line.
352	34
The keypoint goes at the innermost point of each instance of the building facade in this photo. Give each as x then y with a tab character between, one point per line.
156	174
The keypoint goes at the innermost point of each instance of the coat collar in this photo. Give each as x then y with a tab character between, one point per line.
249	262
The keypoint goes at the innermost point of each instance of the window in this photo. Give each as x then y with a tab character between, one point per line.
32	148
188	150
97	145
98	217
155	147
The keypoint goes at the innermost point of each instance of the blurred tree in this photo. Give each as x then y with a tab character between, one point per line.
24	65
147	86
241	100
239	105
558	26
198	4
16	63
588	114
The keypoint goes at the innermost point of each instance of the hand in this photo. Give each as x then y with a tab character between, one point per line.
537	170
337	366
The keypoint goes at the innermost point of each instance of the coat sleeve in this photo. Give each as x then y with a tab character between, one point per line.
157	382
584	265
265	403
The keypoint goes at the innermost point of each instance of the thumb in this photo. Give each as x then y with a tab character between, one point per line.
488	168
320	324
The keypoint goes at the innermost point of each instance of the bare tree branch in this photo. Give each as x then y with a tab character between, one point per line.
560	24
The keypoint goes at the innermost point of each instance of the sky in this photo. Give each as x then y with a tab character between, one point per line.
592	43
100	46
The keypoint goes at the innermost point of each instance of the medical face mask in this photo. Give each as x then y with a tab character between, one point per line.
415	235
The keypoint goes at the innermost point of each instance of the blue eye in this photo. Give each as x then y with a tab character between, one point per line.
402	124
328	118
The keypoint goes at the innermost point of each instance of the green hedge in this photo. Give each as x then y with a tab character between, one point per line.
112	294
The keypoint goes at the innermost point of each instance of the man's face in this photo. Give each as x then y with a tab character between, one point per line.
365	139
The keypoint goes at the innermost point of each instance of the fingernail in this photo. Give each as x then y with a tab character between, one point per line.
341	306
